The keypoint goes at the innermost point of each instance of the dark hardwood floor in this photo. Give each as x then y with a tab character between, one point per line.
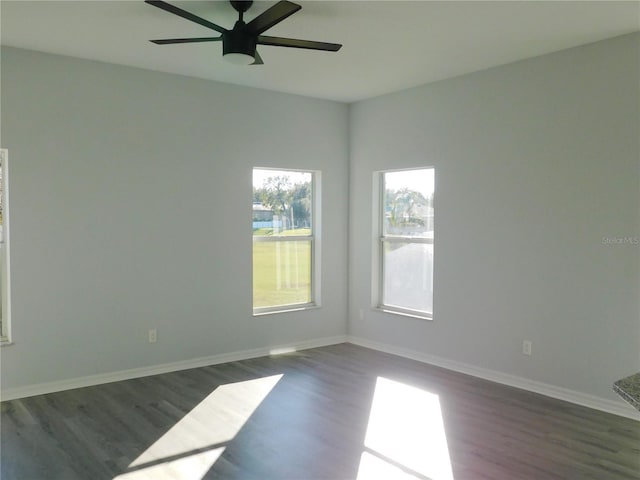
338	412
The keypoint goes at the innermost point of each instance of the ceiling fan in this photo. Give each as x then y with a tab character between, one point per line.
239	44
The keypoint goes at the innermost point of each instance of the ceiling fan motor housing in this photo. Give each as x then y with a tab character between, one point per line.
239	40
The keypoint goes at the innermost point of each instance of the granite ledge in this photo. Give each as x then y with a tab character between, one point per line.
629	389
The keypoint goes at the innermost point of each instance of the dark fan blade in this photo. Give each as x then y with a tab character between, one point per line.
270	17
168	41
292	42
257	59
184	14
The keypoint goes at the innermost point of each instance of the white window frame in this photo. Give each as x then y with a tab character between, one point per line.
314	238
5	290
378	248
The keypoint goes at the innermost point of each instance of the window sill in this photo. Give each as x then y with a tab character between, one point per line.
5	342
405	313
286	309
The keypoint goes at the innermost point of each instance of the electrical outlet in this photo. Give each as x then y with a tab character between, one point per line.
153	335
527	345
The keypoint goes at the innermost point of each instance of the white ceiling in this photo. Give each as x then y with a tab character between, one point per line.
388	45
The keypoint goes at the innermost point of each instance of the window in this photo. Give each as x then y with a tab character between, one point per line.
4	249
405	246
284	240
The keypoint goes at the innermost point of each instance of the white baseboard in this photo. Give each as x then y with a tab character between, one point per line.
91	380
620	408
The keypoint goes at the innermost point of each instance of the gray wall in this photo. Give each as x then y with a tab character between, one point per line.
131	209
535	162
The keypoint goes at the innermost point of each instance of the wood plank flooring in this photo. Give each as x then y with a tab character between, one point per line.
304	416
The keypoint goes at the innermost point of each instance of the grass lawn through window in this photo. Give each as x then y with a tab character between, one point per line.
281	270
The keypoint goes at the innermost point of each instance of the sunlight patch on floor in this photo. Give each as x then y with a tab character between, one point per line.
405	437
191	467
373	467
208	426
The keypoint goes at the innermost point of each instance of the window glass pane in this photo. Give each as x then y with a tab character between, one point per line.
408	275
408	203
281	273
282	265
282	202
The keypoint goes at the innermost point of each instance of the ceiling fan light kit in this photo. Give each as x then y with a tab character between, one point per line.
238	49
239	44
